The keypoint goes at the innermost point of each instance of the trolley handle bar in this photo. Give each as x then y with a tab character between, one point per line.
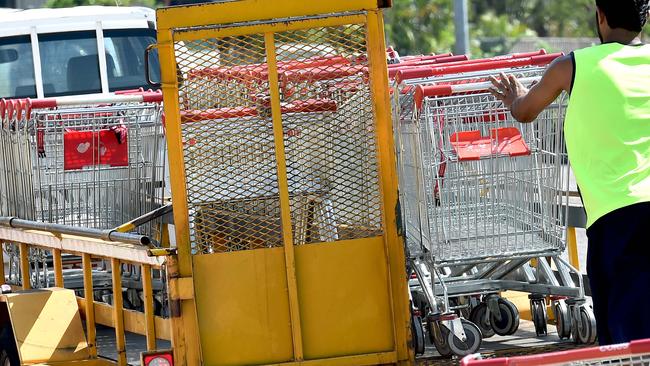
428	91
261	70
392	71
463	59
476	65
134	97
300	106
14	109
106	235
604	353
322	73
423	59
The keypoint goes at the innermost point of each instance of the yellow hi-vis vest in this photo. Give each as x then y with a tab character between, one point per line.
607	127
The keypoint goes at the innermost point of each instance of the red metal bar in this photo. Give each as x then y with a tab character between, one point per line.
299	106
476	65
605	353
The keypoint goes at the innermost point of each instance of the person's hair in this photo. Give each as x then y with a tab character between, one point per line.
627	14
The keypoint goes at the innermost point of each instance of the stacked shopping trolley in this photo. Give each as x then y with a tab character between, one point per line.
94	161
483	201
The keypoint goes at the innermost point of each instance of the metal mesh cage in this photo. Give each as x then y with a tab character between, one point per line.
328	130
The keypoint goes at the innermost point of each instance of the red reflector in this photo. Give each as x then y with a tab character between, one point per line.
159	358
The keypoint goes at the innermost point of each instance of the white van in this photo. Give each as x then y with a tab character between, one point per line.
75	51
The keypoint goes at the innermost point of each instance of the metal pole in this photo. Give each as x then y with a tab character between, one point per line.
461	22
108	235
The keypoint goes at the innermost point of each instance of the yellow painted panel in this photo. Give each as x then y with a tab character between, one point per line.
522	302
196	34
243	307
252	10
47	325
383	358
344	298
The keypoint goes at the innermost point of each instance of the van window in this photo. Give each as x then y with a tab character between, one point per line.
17	73
125	58
71	66
69	63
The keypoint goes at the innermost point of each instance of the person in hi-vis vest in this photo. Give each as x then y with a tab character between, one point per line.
607	132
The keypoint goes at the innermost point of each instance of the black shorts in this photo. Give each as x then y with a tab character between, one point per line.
618	266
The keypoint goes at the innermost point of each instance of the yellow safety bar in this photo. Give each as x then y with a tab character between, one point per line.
115	316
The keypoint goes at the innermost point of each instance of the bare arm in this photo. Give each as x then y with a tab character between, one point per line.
525	105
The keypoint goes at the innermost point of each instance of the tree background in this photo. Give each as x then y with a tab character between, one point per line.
427	26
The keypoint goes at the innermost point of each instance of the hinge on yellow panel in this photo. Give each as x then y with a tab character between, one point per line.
161	252
181	288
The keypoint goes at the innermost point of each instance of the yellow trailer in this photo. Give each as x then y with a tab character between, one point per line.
284	186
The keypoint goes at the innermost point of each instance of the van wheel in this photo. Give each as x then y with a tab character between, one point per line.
8	350
8	360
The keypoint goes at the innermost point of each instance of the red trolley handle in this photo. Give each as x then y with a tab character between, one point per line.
503	62
428	91
300	106
133	97
622	351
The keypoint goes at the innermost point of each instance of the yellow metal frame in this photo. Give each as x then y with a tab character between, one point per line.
95	313
254	10
209	21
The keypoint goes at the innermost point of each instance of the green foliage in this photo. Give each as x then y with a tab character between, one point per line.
69	3
426	26
420	25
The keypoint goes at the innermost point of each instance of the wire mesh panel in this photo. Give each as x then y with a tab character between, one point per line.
342	163
229	146
328	129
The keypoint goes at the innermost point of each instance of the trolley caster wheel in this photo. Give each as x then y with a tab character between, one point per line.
509	322
562	319
468	346
479	316
584	327
540	317
439	336
418	334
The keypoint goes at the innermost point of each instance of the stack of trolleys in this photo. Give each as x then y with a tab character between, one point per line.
483	201
405	77
93	161
97	162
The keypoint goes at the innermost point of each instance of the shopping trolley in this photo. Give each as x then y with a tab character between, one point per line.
482	195
631	354
97	165
91	161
